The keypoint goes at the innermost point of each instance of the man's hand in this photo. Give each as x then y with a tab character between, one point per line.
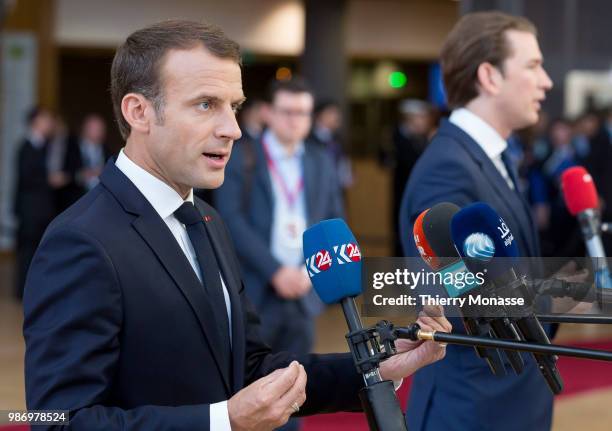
412	355
267	403
290	282
57	180
569	272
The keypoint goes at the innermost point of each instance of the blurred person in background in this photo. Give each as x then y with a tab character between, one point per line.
561	237
84	159
34	193
326	131
599	164
410	138
267	207
586	127
495	83
252	119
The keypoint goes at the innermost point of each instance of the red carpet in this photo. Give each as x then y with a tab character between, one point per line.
579	375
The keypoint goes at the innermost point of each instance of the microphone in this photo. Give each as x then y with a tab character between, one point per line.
333	262
581	199
488	247
433	239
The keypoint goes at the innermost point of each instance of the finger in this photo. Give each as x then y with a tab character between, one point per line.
297	393
431	324
283	381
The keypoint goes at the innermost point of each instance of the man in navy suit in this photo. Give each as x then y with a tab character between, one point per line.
495	82
275	187
135	312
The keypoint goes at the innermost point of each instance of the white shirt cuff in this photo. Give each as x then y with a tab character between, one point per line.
398	383
219	417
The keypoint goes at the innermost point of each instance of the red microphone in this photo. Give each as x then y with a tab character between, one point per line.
581	199
579	190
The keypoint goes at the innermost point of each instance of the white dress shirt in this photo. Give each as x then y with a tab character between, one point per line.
485	136
165	201
289	218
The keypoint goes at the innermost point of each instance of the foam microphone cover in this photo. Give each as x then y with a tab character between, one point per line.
437	231
422	245
483	240
333	260
579	190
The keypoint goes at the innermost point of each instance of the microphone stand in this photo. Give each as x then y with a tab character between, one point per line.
380	404
415	333
575	318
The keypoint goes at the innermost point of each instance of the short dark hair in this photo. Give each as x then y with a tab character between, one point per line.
137	63
324	104
293	85
34	113
477	38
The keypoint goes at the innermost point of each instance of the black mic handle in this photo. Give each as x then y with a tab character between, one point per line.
504	329
491	356
532	331
382	408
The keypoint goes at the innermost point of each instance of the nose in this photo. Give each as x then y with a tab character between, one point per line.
228	128
547	83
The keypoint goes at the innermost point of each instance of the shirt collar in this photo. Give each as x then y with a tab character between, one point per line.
163	198
36	140
485	136
277	151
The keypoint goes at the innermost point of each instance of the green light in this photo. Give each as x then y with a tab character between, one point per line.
397	79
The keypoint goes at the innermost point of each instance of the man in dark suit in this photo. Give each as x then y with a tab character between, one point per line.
34	192
83	161
135	313
275	188
495	81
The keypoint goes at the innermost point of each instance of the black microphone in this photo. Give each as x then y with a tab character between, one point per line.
433	240
487	246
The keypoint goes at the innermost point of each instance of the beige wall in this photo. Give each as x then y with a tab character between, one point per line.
376	28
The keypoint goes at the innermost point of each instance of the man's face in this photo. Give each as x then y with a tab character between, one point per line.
44	124
191	146
94	130
291	116
525	81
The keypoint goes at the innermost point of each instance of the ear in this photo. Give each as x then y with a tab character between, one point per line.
138	112
489	79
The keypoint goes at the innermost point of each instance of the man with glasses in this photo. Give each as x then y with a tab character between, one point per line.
274	189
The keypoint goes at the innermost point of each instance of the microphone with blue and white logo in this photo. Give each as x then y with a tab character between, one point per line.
333	262
487	246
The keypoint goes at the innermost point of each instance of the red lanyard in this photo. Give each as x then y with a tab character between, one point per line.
291	196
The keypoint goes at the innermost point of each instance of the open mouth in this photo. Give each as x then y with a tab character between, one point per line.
214	156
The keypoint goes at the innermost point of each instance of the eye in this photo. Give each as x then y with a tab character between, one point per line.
236	108
205	105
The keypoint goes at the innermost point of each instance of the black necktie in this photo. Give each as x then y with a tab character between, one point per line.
189	215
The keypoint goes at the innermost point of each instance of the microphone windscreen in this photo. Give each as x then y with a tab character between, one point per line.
437	231
422	245
333	260
483	240
579	190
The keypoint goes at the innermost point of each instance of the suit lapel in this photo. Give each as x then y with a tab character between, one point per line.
232	283
159	238
510	198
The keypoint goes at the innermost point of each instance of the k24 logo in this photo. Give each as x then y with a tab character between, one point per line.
347	253
322	260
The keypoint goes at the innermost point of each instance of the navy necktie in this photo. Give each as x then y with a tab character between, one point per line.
189	215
